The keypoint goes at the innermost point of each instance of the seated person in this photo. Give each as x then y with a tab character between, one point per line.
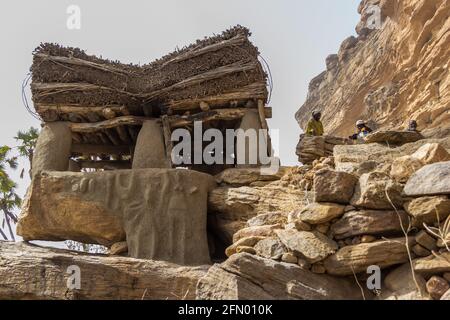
363	130
413	126
315	127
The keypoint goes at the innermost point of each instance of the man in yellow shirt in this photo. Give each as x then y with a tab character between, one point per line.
315	126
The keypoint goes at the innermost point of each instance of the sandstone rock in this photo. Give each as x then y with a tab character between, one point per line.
393	137
446	276
446	296
118	248
32	272
232	207
302	263
299	226
431	153
312	246
259	231
426	241
289	258
353	89
319	213
318	269
350	158
377	191
433	179
401	285
433	264
420	251
356	259
270	248
428	210
368	239
247	277
404	167
245	249
437	287
323	228
370	222
165	209
268	219
249	241
238	177
311	148
334	186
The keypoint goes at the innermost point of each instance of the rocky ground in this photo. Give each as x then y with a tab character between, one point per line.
311	232
387	207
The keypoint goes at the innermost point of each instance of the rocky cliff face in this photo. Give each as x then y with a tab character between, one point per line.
388	75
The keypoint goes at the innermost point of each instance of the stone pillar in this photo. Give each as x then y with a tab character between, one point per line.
53	148
150	151
249	121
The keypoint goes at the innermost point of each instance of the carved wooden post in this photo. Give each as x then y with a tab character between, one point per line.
53	147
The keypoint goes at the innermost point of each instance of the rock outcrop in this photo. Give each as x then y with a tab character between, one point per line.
32	272
248	277
397	69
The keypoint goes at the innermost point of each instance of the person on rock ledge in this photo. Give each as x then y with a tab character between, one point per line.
413	127
363	130
315	126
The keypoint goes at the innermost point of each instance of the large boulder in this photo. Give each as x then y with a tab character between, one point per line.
433	179
357	258
391	137
270	248
238	177
161	213
248	277
32	272
230	208
376	190
428	210
402	284
257	231
349	158
319	213
434	264
311	246
370	222
334	186
404	167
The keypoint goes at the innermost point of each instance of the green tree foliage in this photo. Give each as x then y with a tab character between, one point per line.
27	142
9	199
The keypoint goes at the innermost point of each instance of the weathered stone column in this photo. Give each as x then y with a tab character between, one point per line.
251	147
150	151
53	147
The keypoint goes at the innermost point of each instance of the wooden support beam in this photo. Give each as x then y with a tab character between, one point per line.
113	136
242	95
91	149
51	112
123	134
175	121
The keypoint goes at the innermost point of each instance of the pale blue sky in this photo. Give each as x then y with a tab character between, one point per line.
294	36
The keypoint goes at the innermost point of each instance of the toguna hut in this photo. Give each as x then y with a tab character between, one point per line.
102	169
